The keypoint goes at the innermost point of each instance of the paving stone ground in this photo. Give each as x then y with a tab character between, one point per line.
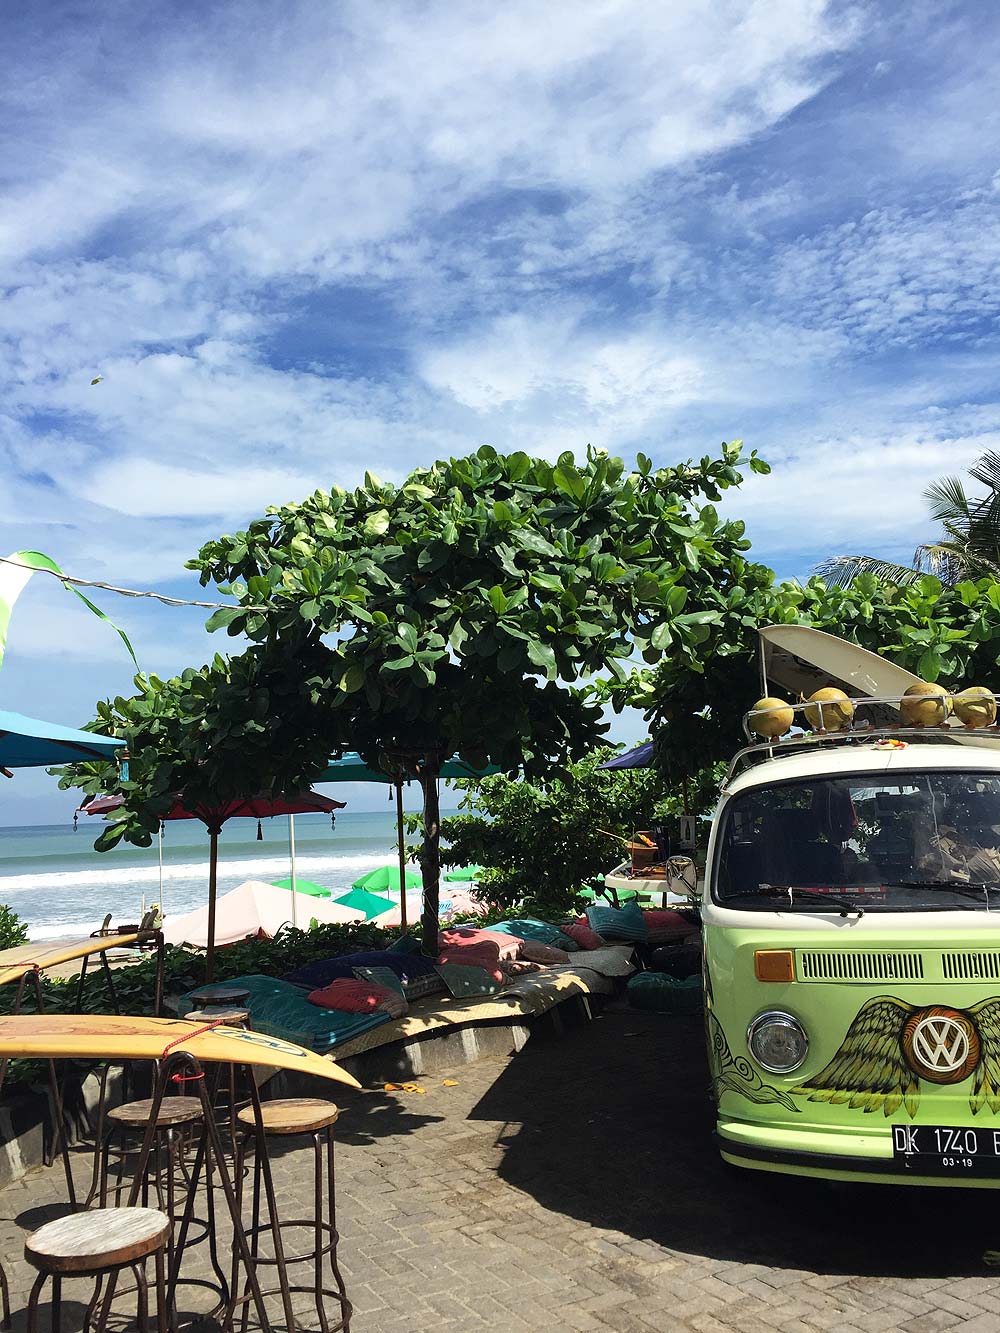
575	1187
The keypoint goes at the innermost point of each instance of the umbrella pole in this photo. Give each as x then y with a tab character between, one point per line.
160	844
291	857
402	854
213	866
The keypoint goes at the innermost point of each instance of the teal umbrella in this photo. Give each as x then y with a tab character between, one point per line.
371	904
350	767
27	743
463	872
305	886
386	878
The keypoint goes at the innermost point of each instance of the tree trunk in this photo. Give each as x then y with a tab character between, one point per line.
430	856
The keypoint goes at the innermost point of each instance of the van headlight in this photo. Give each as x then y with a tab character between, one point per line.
777	1041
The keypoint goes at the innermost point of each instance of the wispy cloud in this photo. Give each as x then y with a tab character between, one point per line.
300	240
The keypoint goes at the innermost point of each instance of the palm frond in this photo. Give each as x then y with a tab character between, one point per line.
987	471
840	571
948	502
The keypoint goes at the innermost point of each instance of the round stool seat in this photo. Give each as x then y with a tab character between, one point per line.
103	1238
219	995
214	1012
173	1111
292	1115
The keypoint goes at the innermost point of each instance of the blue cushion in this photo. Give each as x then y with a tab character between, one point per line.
282	1010
320	973
618	923
527	928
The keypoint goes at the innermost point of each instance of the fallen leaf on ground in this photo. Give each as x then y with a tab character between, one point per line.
449	1083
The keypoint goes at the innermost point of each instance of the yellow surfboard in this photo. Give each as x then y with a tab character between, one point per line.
24	957
123	1037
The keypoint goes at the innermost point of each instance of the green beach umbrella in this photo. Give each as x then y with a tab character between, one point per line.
305	886
360	900
350	767
387	878
463	872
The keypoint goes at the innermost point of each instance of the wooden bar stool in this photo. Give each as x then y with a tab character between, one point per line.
132	1118
286	1118
100	1244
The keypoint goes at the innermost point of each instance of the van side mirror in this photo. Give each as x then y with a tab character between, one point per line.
682	876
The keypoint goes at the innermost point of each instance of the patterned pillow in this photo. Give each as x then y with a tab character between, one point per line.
498	943
417	987
394	1003
542	953
462	980
480	958
351	996
618	923
581	934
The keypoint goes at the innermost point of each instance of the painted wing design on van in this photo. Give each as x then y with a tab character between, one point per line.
986	1083
869	1072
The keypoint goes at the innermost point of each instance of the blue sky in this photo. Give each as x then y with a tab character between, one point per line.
299	240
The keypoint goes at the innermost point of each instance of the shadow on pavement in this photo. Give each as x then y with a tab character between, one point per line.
613	1126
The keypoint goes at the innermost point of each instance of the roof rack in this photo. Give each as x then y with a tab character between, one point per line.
856	732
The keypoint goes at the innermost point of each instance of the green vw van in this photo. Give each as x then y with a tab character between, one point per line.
851	917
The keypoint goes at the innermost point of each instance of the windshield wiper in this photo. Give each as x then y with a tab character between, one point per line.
846	905
956	886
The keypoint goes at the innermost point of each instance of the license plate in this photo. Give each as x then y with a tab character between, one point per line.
938	1150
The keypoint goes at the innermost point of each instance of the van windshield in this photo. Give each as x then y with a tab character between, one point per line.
917	842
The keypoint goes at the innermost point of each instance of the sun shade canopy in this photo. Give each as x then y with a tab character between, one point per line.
26	742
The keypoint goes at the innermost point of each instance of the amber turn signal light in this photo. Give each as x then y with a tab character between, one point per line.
774	964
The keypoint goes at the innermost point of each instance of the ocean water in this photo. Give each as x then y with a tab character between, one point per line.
52	877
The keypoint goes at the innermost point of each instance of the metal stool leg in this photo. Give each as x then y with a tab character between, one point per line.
56	1303
142	1298
346	1308
36	1289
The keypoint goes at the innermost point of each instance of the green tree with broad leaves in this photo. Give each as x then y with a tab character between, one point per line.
542	842
946	634
478	607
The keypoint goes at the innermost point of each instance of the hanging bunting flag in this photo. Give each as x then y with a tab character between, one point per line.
14	577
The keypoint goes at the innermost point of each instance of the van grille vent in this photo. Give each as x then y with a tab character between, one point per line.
835	965
971	966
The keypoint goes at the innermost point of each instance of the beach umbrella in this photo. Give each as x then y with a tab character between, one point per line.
350	767
305	886
26	742
640	757
465	873
213	817
371	904
386	879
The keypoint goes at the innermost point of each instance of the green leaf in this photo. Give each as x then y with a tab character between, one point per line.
498	599
929	666
542	656
407	636
399	663
570	482
661	637
502	512
377	524
550	582
223	617
353	678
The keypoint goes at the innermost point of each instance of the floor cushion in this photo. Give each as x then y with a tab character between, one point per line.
462	980
480	957
322	971
526	928
500	943
282	1010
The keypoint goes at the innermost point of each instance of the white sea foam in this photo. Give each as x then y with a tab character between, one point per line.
337	869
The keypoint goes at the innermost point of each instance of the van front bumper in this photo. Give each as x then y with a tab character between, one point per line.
832	1154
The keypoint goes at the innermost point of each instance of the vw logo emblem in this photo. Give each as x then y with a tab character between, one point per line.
941	1045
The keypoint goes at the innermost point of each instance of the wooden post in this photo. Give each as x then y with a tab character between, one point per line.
213	867
402	853
430	855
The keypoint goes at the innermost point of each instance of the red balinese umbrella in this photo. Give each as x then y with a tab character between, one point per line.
252	807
